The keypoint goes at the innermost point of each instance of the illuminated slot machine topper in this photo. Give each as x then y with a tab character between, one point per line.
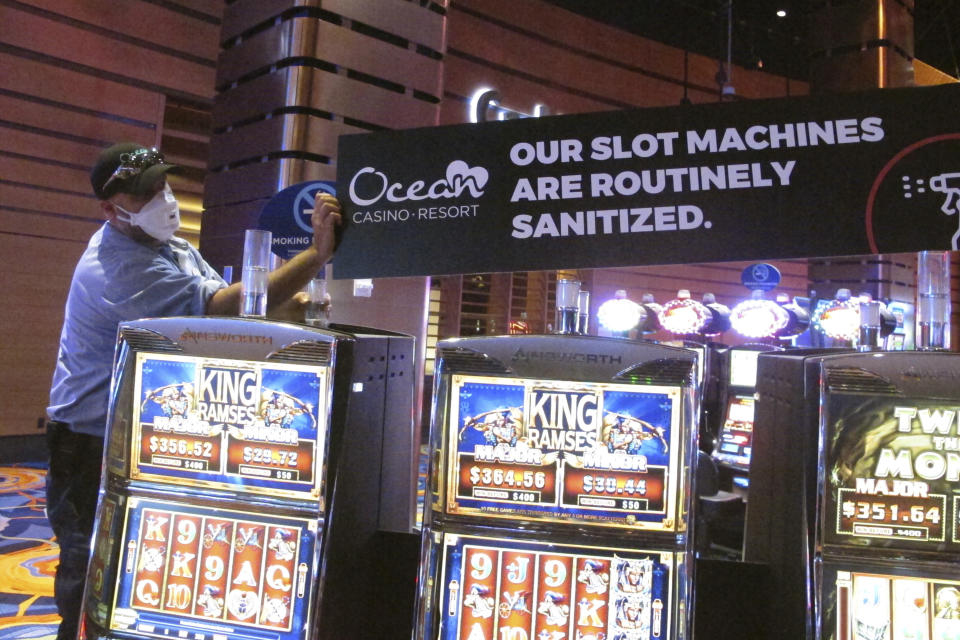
890	454
567	451
186	571
248	426
876	602
492	587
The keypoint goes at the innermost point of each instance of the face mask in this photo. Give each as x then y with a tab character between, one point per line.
159	218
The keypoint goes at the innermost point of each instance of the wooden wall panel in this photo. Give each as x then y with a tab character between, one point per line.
265	136
241	16
147	23
552	62
399	17
62	120
585	65
251	181
64	41
67	86
78	75
334	45
369	103
55	227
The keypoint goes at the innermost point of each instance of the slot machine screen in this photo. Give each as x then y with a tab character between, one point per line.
188	570
520	589
736	434
891	472
874	603
562	451
257	427
743	368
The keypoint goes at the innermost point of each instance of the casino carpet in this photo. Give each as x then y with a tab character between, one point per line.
28	553
28	557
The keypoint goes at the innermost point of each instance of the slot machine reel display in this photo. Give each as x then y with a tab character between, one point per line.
735	439
888	536
224	442
559	490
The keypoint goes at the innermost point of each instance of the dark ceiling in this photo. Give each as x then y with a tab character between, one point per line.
758	35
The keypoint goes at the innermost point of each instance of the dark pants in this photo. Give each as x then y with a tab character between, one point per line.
73	482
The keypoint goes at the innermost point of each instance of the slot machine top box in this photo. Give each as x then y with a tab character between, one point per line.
223	404
890	452
563	430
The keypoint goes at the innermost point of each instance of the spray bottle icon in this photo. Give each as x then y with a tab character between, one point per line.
949	184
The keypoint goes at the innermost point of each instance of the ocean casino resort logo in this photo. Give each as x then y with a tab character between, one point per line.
369	187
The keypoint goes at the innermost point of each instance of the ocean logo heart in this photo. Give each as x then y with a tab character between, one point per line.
460	176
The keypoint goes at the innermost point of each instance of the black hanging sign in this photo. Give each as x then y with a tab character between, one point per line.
845	174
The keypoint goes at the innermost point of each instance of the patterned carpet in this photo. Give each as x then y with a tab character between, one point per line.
28	557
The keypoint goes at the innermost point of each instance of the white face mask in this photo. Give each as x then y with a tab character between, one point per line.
159	218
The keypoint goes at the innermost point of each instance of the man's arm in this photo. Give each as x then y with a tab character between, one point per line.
292	276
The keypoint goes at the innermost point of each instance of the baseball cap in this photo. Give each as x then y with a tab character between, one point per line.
127	167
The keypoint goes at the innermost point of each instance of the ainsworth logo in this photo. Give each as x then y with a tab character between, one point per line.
368	186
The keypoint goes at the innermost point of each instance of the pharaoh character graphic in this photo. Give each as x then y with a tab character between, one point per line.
499	426
628	434
633	576
630	613
279	409
175	400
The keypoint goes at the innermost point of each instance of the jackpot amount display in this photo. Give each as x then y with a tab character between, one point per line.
893	472
255	426
190	569
874	606
495	589
565	451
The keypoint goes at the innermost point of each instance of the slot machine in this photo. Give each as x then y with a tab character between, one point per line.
781	507
559	495
731	446
734	439
888	525
247	466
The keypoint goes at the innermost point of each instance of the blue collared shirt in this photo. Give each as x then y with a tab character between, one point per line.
119	279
